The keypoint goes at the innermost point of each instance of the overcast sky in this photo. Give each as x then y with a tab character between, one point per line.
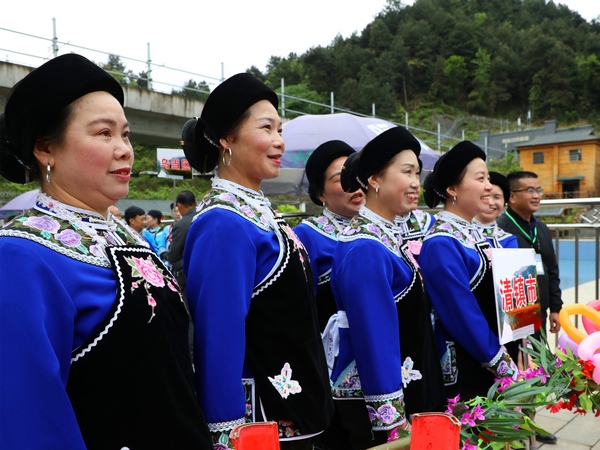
206	37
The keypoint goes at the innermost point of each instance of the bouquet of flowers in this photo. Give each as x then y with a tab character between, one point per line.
570	376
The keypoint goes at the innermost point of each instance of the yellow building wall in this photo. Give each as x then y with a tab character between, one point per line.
557	164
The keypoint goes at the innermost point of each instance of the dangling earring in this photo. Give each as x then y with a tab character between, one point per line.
377	192
454	201
48	172
226	163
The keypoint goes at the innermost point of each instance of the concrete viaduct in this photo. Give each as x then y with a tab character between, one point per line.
155	118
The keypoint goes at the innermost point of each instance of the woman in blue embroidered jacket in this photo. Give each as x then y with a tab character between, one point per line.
257	346
486	220
93	328
319	234
456	264
387	364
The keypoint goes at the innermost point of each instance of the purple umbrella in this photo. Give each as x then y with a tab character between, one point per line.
21	202
305	133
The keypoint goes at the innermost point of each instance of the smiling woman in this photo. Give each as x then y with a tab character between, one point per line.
93	328
249	275
456	263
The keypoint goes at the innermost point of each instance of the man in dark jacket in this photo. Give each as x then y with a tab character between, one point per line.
186	205
519	219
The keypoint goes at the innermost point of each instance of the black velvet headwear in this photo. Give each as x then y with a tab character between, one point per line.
348	178
37	100
447	169
501	181
317	165
380	150
222	109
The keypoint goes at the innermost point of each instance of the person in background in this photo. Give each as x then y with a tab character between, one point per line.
155	233
114	210
520	220
135	217
486	220
186	205
319	236
250	287
93	329
387	365
456	263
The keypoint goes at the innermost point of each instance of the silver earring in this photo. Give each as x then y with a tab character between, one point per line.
48	172
226	163
454	201
377	192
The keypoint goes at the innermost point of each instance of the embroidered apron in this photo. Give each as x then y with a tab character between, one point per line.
417	341
283	345
131	384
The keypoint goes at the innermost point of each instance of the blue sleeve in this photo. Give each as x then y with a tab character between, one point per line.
220	260
361	279
509	242
445	266
37	318
150	239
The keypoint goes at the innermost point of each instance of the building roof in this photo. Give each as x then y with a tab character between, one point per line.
579	134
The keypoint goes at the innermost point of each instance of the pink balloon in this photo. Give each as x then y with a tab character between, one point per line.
596	373
588	324
566	342
589	345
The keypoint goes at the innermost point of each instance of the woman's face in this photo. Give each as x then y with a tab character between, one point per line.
398	185
496	206
472	193
91	164
343	203
256	149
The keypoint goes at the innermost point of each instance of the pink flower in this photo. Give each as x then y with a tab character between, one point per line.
151	301
477	413
149	272
467	419
452	403
414	247
468	446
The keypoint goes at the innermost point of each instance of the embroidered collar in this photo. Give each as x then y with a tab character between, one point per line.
248	203
75	232
338	221
373	226
449	223
389	228
251	196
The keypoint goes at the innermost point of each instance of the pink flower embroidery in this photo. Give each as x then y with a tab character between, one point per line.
148	271
152	303
43	223
415	247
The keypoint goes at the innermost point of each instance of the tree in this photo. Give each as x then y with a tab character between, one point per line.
505	165
117	69
193	89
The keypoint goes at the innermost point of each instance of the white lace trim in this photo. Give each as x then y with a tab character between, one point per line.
397	395
220	427
82	351
94	260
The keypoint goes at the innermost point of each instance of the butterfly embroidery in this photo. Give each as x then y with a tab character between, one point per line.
284	383
408	374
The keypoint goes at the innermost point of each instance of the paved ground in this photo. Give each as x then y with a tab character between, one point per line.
574	431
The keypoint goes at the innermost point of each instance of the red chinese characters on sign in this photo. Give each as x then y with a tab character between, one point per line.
517	292
179	164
